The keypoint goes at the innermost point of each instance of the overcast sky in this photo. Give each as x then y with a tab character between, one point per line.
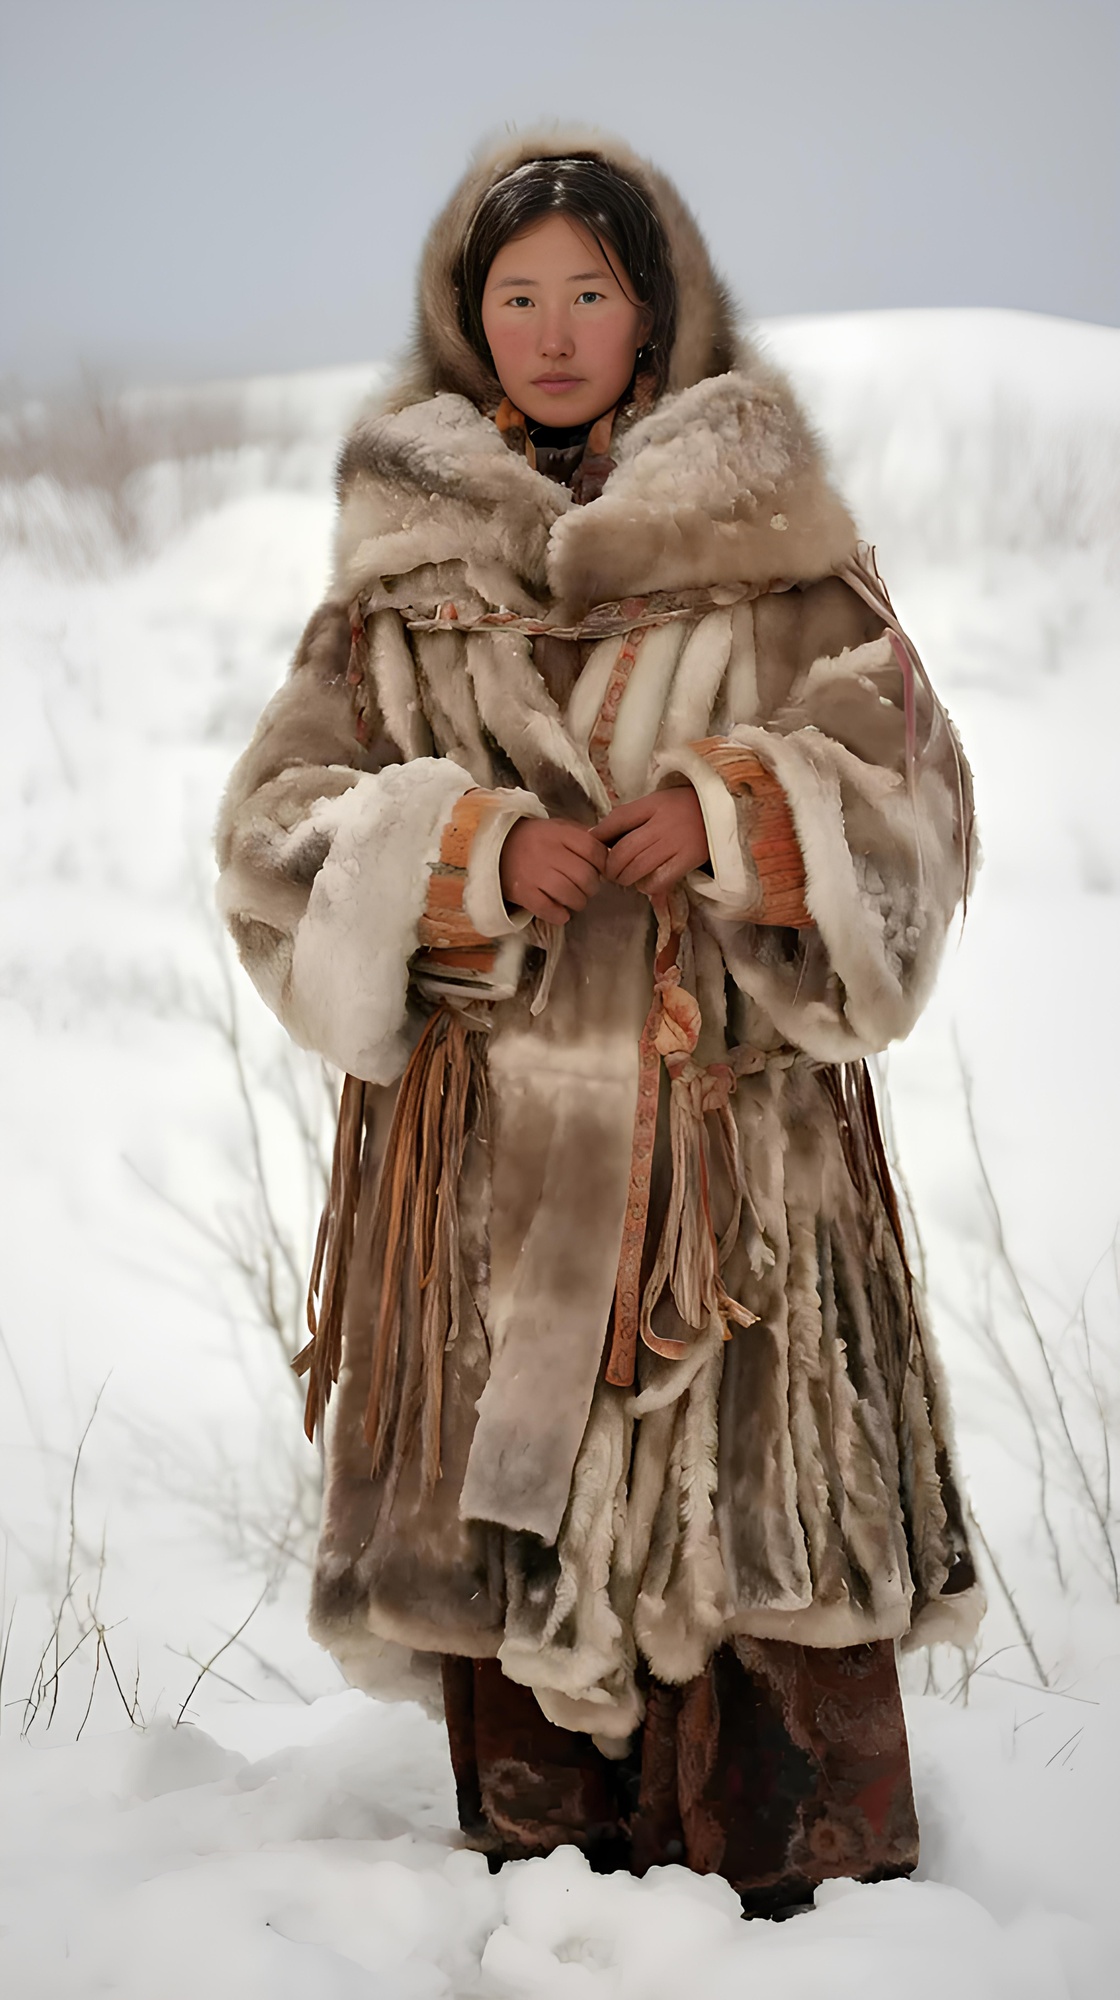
221	187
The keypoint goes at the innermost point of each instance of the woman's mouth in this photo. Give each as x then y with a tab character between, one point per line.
555	383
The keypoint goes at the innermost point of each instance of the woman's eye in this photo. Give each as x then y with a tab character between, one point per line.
520	300
588	298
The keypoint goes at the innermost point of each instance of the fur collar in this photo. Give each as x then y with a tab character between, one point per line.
723	483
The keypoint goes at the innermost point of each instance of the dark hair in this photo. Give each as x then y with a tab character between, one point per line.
616	212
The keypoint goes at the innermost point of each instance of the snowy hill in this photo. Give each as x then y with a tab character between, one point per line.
160	1154
963	431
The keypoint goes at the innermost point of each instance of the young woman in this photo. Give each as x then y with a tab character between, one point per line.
605	824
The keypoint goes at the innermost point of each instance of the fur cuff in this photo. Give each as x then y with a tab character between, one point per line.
465	906
759	874
347	991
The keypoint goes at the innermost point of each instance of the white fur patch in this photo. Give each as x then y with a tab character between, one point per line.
738	700
586	698
850	663
347	992
702	667
521	715
394	677
642	707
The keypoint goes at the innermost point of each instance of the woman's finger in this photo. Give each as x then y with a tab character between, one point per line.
664	877
629	849
543	905
582	873
653	854
586	846
625	817
557	884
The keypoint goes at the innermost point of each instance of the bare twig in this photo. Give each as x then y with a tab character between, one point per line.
4	1655
1069	1744
1020	1622
270	1667
1076	1457
33	1424
41	1681
207	1666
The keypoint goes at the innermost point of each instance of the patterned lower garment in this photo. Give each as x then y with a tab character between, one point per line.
778	1767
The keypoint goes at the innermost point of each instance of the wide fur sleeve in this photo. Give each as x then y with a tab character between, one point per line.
833	882
337	848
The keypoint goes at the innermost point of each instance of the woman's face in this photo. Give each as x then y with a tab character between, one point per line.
563	330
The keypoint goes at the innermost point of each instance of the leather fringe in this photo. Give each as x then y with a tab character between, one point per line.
321	1358
415	1230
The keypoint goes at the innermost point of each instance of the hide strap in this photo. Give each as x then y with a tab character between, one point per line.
362	699
689	1255
770	834
609	619
602	733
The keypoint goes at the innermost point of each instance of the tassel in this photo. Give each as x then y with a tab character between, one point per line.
689	1255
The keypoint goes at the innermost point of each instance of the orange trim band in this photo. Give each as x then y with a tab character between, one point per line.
771	837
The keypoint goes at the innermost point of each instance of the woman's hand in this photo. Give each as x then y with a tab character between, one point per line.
551	867
655	841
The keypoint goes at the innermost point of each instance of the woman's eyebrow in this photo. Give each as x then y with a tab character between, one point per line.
576	278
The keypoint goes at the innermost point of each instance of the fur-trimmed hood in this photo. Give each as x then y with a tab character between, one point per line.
723	483
441	360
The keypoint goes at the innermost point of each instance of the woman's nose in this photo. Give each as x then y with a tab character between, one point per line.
556	338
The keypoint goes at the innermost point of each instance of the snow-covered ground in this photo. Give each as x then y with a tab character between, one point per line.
257	1830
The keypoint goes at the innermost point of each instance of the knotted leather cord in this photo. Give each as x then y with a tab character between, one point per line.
689	1255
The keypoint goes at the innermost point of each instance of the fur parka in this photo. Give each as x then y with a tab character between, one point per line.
780	1464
